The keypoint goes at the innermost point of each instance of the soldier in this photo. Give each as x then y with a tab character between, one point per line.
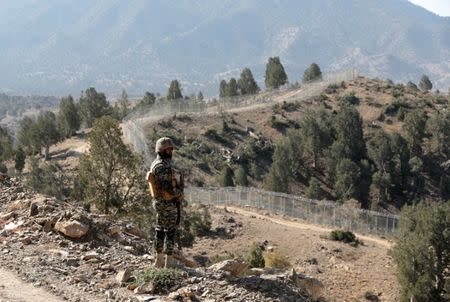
167	194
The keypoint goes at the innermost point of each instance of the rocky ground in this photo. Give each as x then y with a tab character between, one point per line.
81	256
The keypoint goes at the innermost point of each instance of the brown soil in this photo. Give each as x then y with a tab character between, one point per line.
347	272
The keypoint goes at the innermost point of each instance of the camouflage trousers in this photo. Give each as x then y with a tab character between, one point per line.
166	228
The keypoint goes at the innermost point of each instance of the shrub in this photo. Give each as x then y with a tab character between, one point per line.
290	106
344	236
200	221
277	124
3	168
276	260
254	257
350	99
163	278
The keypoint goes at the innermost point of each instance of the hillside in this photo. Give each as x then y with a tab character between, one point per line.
138	46
248	136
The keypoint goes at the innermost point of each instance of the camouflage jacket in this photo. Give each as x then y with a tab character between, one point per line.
164	175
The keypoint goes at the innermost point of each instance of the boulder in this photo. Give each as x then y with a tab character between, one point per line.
235	267
72	229
146	288
34	210
313	287
123	275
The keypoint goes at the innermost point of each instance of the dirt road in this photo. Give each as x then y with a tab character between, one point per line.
13	289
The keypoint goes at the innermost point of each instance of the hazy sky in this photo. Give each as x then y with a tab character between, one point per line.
440	7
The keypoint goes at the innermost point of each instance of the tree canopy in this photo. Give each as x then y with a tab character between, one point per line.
275	74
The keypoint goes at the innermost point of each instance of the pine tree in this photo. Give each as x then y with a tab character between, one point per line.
349	131
314	190
19	160
438	128
223	90
241	177
93	105
422	251
174	92
347	180
313	73
48	131
6	144
275	74
232	88
411	86
246	83
277	180
200	96
147	100
28	136
414	127
226	177
425	83
68	117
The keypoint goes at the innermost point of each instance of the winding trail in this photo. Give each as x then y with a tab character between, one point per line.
13	289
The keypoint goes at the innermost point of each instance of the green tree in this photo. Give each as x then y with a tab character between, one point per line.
314	190
232	88
401	161
247	83
48	131
349	131
6	144
223	90
174	92
380	151
414	126
411	86
110	172
148	100
313	73
422	252
226	177
277	180
347	180
68	117
438	127
315	134
241	177
19	159
48	178
122	106
28	136
200	96
93	105
425	83
275	74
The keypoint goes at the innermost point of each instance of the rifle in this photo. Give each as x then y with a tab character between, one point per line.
180	199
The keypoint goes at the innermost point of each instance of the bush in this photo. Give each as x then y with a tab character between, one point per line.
350	99
163	278
48	179
276	260
344	236
422	252
200	220
254	257
3	168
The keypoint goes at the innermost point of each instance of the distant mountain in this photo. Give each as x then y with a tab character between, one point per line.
64	46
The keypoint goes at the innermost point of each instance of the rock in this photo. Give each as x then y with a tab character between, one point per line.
8	216
235	267
183	294
313	287
34	209
72	229
114	230
146	288
124	275
13	226
90	255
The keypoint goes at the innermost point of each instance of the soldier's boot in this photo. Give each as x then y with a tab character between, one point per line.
159	260
172	262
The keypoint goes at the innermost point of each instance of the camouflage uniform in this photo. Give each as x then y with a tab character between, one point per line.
167	216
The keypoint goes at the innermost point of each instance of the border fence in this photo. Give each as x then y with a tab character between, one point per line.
326	213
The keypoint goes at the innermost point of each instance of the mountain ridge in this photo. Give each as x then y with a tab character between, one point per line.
61	47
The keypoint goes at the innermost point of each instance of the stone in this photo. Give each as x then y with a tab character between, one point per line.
313	287
34	209
114	230
146	288
90	255
123	275
235	267
72	229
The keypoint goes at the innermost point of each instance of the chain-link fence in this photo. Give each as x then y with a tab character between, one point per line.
326	213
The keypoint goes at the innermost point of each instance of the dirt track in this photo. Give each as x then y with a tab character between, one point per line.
12	289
